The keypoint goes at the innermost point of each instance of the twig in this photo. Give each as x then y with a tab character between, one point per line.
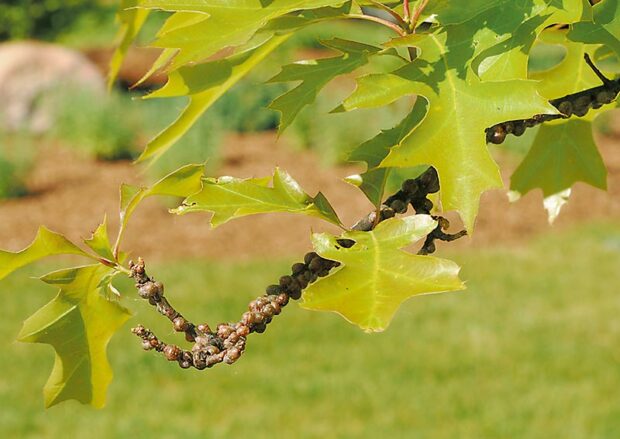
403	23
575	104
416	14
379	20
227	343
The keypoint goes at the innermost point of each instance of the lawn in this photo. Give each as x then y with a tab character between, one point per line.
530	350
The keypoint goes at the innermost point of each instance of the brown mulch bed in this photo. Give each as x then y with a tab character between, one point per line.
71	195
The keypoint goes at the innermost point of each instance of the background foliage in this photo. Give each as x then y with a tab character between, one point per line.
46	19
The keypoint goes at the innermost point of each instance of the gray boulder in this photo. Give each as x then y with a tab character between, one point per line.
32	77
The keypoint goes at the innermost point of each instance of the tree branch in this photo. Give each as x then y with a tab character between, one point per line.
407	10
575	104
227	343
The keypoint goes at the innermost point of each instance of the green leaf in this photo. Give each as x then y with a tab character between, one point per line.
452	135
208	26
571	75
230	198
183	182
100	242
315	74
46	243
373	182
300	19
376	276
131	20
503	38
78	324
604	29
203	94
449	12
562	154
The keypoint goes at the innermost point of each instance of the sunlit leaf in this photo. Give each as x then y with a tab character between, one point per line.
300	19
315	74
203	94
46	243
604	29
376	276
180	183
99	242
78	324
230	198
553	204
131	21
563	152
452	135
207	27
373	182
504	37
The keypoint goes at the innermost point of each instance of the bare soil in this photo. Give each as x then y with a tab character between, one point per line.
71	195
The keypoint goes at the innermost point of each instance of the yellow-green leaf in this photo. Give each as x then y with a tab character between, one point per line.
99	242
230	198
208	26
376	276
563	152
46	243
503	38
375	180
603	29
180	84
451	137
180	183
315	74
131	20
78	323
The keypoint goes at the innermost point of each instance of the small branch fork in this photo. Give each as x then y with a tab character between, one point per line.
577	104
227	342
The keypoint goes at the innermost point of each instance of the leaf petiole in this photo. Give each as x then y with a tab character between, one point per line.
381	21
403	22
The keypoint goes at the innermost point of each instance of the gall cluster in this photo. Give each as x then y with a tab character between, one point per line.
227	342
577	104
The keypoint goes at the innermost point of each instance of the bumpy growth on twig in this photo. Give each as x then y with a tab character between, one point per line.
576	104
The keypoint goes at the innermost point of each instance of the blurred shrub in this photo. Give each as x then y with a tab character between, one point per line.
16	160
244	108
103	127
200	144
45	19
333	136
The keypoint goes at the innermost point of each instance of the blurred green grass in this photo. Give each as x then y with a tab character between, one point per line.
531	350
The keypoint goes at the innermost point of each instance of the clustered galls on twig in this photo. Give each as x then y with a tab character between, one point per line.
227	342
414	192
576	104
